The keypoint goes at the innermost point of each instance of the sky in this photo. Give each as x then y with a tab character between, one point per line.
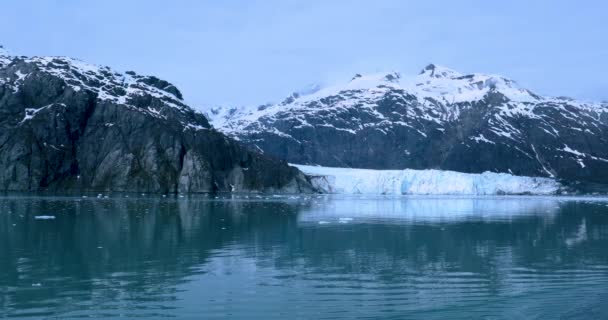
244	52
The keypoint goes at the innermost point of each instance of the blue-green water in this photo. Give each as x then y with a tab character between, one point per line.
303	257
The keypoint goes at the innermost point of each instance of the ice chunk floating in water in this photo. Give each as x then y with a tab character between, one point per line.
425	182
44	217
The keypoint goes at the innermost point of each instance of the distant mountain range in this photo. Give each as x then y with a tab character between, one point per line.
66	125
438	119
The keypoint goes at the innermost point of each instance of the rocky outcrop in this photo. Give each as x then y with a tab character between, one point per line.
66	125
439	119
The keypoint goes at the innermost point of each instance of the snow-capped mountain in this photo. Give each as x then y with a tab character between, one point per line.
438	119
69	125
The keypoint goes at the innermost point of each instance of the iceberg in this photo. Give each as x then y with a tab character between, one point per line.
425	182
44	217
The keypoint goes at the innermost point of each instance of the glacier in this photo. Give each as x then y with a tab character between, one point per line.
425	182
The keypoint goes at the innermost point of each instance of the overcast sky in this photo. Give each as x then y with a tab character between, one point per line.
250	52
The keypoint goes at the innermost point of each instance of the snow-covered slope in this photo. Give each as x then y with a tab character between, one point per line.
424	182
438	119
127	89
435	87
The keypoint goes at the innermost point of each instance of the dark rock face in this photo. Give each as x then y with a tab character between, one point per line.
438	120
66	125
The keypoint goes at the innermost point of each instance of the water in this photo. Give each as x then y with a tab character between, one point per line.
303	257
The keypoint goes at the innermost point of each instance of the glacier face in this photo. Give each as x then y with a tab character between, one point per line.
425	182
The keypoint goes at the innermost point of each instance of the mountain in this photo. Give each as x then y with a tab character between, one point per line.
68	125
438	119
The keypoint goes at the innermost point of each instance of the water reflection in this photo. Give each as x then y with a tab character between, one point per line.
337	257
427	209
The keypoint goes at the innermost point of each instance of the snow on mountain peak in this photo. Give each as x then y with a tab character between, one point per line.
434	87
373	79
109	84
435	71
435	82
148	94
448	85
393	77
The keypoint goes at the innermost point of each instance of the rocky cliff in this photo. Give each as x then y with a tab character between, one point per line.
68	125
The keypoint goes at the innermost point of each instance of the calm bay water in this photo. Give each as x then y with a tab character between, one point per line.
303	257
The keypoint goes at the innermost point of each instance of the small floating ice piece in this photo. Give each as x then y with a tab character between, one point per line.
345	219
44	217
323	222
